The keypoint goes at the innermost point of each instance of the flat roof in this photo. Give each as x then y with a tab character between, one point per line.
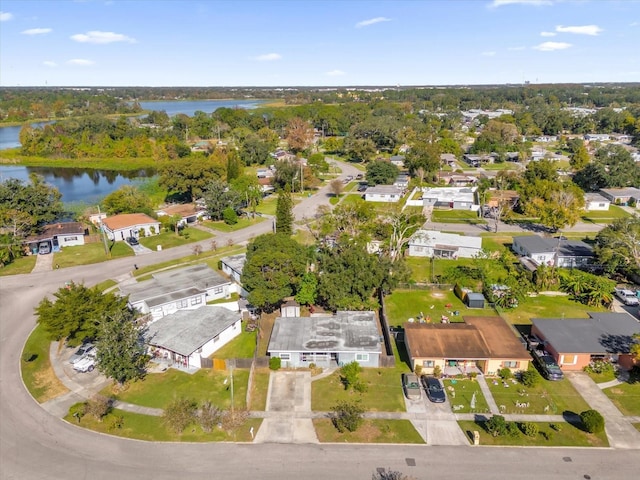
128	220
622	192
346	331
436	238
235	262
565	248
383	190
602	333
185	331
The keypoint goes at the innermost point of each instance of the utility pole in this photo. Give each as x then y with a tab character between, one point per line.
231	369
104	237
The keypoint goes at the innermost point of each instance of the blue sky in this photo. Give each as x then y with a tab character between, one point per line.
314	43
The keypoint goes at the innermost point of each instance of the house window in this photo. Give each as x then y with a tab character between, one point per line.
428	363
510	364
362	357
217	290
307	357
568	359
182	303
285	356
196	300
70	239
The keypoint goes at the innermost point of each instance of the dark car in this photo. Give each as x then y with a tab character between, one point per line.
434	389
548	367
133	241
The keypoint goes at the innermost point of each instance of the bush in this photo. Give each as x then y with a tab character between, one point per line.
600	367
116	423
548	435
530	378
505	373
275	363
592	421
418	370
437	371
209	416
180	413
496	425
29	357
555	426
512	430
98	406
530	429
230	216
78	410
347	416
349	375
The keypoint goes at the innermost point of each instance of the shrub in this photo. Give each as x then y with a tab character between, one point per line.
179	414
29	357
275	363
600	367
98	406
512	430
418	370
592	421
505	373
116	423
555	426
437	371
496	425
530	378
347	416
230	216
209	416
78	410
548	435
232	420
530	429
349	375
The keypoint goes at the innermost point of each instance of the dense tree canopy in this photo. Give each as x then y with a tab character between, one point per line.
618	246
380	172
120	347
189	177
127	199
612	166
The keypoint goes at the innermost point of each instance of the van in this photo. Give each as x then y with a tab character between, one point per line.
44	248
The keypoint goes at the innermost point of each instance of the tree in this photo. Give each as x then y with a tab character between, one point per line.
190	176
254	150
230	216
592	420
307	290
249	190
284	213
299	134
612	167
180	413
350	377
77	312
402	225
209	416
336	186
579	158
234	165
127	199
423	155
347	416
359	149
496	425
380	172
218	197
617	246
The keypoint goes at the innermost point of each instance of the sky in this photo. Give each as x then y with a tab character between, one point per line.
317	43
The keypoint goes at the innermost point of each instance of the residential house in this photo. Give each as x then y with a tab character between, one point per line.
429	243
457	198
622	196
185	288
57	236
596	202
456	179
186	337
402	182
125	225
233	265
553	251
188	212
546	138
495	198
597	137
576	342
476	160
448	159
397	160
478	344
383	193
327	340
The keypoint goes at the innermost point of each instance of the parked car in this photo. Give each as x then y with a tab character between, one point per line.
132	241
434	389
548	366
411	386
627	297
44	248
82	352
85	364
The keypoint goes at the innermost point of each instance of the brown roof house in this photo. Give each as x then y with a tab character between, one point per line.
188	212
120	227
56	236
479	344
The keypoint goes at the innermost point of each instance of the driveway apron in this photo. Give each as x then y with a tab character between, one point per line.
435	422
44	263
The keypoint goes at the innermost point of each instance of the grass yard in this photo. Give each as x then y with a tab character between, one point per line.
105	285
426	270
384	392
243	222
158	389
153	429
456	216
637	426
259	389
558	396
268	205
602	377
304	236
607	216
242	346
265	325
19	266
404	304
170	239
502	166
460	393
543	306
568	436
37	372
211	258
626	397
371	431
90	253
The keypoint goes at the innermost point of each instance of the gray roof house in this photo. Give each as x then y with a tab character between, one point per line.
233	265
622	196
327	340
431	243
177	289
457	198
553	251
383	193
186	337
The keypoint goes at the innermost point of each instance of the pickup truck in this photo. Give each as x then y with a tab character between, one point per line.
627	297
85	364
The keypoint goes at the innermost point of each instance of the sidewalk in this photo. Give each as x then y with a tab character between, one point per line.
482	383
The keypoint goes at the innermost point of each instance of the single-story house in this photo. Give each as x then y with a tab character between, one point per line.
188	212
456	179
457	198
622	196
498	197
233	265
185	288
429	243
185	337
383	193
597	137
58	235
479	344
596	202
553	251
402	181
546	138
397	160
576	342
327	340
125	225
476	160
448	159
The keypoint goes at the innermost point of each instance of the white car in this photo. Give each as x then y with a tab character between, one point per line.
627	297
85	364
83	351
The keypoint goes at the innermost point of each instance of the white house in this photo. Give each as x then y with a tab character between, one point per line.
597	137
428	243
120	227
177	289
233	266
58	235
553	251
457	198
186	337
595	201
383	193
188	212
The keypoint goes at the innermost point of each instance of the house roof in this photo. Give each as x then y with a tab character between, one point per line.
383	190
602	333
55	229
185	331
595	197
128	220
184	210
434	238
345	331
535	244
630	192
476	338
235	262
450	194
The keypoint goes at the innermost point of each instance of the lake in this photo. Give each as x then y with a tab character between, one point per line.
79	184
10	136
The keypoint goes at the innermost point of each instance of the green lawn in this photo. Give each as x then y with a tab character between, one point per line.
558	396
543	306
158	389
608	216
426	270
456	216
268	205
404	304
242	346
105	285
384	391
502	166
626	397
37	373
153	429
460	392
371	431
602	377
243	222
19	266
637	425
260	389
211	258
568	436
170	239
90	253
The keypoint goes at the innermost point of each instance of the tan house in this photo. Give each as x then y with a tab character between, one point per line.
188	213
478	344
123	226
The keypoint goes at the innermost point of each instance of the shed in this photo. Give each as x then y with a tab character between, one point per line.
474	300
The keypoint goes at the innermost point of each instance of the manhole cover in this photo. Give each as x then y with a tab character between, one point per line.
567	459
411	462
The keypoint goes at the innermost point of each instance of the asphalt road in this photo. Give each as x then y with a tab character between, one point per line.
36	445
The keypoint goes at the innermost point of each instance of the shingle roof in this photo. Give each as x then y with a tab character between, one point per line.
128	220
63	228
184	210
565	248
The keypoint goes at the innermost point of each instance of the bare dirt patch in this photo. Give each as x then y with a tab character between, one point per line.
48	382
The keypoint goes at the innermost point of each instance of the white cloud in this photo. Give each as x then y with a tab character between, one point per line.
551	46
268	57
580	30
80	61
488	54
335	73
96	36
49	63
5	16
536	3
372	21
548	34
634	24
36	31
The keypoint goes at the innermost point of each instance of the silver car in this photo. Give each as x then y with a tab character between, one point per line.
84	350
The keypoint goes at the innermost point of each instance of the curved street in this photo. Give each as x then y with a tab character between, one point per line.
37	445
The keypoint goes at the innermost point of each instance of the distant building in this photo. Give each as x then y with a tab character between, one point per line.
596	202
383	193
120	227
188	212
622	196
428	243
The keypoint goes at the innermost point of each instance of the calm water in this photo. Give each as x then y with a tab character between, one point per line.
9	136
78	184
